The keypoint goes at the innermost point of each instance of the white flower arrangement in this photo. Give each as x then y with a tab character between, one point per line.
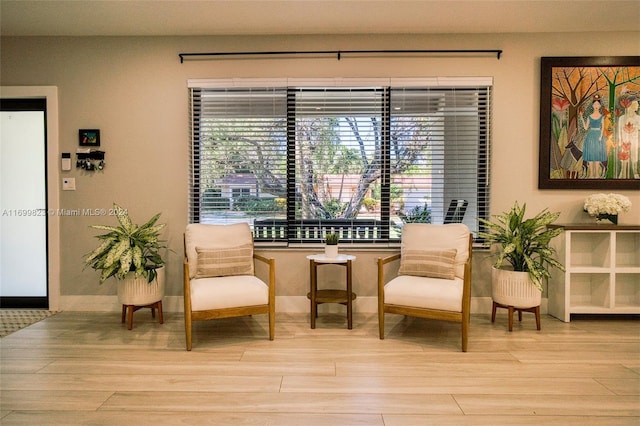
606	204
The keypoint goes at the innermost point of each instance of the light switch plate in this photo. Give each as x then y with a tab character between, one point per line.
68	184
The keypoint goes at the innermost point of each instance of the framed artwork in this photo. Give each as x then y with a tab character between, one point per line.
589	123
89	137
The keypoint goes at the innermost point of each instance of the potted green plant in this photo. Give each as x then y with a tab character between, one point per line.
131	254
524	244
331	244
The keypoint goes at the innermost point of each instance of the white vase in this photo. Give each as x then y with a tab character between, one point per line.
331	251
139	292
511	288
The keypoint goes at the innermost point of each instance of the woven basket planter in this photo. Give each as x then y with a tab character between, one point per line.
511	288
139	292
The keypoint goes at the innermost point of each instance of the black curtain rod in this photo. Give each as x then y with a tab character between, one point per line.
338	53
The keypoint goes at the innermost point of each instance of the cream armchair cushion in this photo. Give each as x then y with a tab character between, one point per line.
219	262
228	292
425	292
425	236
214	237
428	263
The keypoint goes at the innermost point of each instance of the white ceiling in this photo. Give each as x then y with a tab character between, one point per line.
272	17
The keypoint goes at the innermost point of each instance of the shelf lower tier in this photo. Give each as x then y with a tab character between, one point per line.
595	310
600	310
332	296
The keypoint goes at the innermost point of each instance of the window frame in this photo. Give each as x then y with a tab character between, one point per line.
291	86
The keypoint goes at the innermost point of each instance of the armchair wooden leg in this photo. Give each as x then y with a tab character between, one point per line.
272	323
465	335
381	324
187	329
493	312
538	317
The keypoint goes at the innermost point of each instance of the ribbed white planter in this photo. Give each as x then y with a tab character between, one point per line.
139	292
515	289
331	251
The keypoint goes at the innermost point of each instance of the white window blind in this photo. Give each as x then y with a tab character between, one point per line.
439	153
296	162
338	149
239	151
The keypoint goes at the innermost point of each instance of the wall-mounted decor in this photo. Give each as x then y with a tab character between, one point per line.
589	123
90	160
89	137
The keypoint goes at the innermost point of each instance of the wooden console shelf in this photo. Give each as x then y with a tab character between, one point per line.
602	271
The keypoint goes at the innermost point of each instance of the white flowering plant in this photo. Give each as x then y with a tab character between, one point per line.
606	205
597	204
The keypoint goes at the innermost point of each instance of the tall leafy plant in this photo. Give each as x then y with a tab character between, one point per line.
127	248
524	243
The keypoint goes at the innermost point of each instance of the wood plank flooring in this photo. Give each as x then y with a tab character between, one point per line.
87	368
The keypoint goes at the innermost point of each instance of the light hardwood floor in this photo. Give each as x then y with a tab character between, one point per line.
87	368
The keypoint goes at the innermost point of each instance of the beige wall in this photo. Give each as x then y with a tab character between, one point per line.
134	91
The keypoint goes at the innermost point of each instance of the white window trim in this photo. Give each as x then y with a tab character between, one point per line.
340	82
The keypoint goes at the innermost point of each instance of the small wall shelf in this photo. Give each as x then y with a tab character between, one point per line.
602	274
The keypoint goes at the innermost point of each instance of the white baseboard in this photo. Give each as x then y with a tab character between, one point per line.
286	304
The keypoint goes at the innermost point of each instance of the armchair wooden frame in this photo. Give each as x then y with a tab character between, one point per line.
459	317
269	308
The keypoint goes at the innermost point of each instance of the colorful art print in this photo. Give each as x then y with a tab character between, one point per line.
589	123
89	137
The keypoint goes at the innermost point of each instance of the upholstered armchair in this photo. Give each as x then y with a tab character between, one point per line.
219	276
434	276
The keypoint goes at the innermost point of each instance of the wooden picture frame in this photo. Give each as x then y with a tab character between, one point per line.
589	104
89	137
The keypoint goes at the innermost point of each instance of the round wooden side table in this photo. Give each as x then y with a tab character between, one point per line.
343	297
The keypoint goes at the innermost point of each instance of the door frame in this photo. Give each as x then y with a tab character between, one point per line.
50	93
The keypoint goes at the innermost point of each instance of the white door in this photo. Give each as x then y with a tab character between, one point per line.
23	206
